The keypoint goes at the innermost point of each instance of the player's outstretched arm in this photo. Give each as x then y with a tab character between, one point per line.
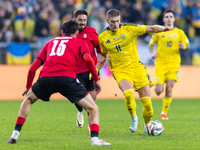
31	74
102	58
153	54
157	28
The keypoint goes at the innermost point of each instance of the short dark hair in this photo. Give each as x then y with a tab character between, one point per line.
70	27
113	13
80	12
168	11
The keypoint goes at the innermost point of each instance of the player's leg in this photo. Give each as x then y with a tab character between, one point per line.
83	78
159	88
94	96
23	113
145	97
127	89
90	106
160	78
80	115
167	99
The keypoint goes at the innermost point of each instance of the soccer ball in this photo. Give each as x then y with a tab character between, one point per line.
155	128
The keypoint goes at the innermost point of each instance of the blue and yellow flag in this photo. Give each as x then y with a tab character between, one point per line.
18	53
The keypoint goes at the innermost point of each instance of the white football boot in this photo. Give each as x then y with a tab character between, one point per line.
95	141
80	119
134	124
14	137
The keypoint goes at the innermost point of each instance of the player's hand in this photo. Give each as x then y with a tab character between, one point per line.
25	92
97	86
168	28
154	56
181	45
90	75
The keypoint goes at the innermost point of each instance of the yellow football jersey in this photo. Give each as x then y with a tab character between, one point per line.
121	45
168	45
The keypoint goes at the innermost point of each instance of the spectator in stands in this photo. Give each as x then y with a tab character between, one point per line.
8	8
8	36
41	34
95	5
188	13
54	24
178	7
36	10
20	37
23	22
124	9
108	4
143	8
99	23
70	6
196	24
62	8
2	24
87	5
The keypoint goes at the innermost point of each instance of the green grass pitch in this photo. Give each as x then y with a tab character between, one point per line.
51	125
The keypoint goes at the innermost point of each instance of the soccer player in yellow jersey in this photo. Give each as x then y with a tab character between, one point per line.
167	58
119	41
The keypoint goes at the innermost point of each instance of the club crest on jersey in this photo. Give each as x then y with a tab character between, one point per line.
175	35
84	35
115	39
108	42
123	36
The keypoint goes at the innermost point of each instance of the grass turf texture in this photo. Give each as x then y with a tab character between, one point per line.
51	125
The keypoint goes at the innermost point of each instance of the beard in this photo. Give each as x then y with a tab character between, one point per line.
82	27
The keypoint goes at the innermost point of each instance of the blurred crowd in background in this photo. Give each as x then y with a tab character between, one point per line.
37	21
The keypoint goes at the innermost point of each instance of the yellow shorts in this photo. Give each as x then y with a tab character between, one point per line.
136	74
167	72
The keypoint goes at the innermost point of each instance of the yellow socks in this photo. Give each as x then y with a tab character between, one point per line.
130	102
166	103
147	109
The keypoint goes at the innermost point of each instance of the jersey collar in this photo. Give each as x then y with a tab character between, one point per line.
109	28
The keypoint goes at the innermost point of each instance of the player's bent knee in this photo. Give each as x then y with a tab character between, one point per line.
128	94
158	91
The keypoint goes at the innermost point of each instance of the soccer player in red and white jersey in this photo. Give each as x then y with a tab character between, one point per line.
60	57
90	36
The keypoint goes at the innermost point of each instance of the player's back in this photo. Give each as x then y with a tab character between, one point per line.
60	56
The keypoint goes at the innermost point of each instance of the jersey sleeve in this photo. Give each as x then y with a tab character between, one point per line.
184	38
31	73
103	49
136	29
95	41
154	39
